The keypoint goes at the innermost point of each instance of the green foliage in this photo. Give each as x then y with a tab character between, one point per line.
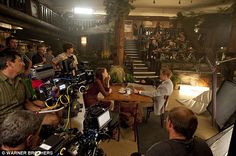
116	8
117	74
129	78
175	79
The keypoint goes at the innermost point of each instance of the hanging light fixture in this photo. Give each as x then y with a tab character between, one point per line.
154	1
179	1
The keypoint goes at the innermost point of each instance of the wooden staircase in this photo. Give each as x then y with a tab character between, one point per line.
135	63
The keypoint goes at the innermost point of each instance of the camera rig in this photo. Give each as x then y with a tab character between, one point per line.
61	89
74	143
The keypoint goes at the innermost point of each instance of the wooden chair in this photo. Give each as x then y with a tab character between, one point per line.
163	109
134	107
115	123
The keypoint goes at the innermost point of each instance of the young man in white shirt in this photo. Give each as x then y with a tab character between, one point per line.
165	88
68	52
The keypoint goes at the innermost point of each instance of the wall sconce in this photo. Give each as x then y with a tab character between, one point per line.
84	40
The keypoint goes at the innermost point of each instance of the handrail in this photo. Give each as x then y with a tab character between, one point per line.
38	10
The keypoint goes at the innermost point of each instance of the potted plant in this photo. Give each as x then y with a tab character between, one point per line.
176	81
117	74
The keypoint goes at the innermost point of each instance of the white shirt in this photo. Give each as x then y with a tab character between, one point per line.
165	88
64	56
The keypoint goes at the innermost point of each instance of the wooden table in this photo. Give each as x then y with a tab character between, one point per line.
116	96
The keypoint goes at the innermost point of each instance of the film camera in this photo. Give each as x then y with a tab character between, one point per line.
75	143
61	92
51	89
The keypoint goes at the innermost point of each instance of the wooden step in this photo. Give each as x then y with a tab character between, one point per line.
132	54
137	61
134	57
137	68
139	64
144	72
145	76
131	49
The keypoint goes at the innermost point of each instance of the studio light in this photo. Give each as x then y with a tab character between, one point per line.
188	90
78	10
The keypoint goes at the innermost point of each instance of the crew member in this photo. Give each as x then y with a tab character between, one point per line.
68	53
181	124
20	131
13	93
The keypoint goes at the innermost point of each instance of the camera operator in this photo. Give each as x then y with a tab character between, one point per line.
20	131
13	93
68	53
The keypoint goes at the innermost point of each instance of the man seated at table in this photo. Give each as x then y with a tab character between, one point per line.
20	131
165	88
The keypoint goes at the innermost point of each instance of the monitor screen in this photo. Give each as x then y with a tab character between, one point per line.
225	104
104	119
62	87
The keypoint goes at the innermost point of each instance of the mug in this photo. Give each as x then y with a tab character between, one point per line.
128	91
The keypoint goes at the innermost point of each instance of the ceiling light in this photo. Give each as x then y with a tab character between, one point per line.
9	26
84	40
78	10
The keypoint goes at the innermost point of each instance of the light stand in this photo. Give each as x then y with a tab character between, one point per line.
214	89
214	84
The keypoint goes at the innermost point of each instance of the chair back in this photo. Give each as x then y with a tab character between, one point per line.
163	109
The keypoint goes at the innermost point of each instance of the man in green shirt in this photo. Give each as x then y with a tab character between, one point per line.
13	93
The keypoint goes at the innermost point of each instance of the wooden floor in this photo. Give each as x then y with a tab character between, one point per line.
126	145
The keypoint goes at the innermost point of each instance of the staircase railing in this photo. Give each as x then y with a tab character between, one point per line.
38	10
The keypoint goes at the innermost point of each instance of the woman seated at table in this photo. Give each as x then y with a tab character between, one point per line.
101	84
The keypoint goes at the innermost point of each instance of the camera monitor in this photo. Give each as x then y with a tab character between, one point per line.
225	104
62	87
104	119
